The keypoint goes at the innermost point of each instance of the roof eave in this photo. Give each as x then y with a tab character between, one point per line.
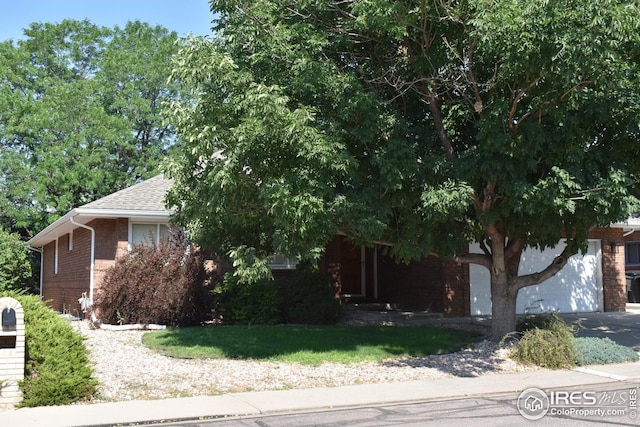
629	224
63	225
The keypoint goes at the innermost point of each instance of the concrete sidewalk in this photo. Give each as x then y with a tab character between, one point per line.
269	402
623	327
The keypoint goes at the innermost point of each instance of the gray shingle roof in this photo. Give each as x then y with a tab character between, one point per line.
147	196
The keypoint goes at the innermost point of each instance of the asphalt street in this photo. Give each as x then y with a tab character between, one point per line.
481	411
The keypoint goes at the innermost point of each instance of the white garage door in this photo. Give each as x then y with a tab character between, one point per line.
576	288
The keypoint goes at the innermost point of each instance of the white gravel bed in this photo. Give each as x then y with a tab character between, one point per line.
127	370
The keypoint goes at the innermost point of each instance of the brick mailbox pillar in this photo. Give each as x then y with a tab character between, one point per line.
12	351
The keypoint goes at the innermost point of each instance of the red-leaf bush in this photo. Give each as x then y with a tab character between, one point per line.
165	284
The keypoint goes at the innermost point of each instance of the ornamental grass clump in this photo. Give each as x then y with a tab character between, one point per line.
545	341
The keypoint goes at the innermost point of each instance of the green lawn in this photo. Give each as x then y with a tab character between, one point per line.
310	345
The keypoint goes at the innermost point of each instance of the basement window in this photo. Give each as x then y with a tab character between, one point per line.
278	261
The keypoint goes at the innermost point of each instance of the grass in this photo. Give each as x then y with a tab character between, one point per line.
309	345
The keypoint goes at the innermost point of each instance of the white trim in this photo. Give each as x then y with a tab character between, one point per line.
83	216
41	271
599	276
93	256
55	258
157	223
70	247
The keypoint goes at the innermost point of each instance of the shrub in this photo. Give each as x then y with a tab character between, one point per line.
58	370
165	283
599	351
254	303
309	298
551	347
15	265
549	321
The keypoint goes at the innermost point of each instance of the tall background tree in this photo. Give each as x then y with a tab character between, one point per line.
80	116
15	266
426	124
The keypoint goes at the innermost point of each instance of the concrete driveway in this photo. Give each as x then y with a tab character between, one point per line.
621	327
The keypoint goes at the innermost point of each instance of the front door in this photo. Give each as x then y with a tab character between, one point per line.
358	271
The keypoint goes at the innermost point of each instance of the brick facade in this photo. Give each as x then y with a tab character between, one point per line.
435	285
430	284
614	286
63	288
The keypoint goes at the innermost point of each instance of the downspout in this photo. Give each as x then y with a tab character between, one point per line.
93	256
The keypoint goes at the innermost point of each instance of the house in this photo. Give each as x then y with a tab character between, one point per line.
632	258
78	248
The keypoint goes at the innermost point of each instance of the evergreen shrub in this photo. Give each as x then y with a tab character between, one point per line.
58	370
165	284
310	299
600	351
545	341
248	303
541	321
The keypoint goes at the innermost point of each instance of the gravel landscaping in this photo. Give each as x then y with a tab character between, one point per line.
128	370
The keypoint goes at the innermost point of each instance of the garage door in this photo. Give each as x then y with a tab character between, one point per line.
577	288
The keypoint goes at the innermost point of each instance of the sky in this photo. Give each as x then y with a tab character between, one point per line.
181	16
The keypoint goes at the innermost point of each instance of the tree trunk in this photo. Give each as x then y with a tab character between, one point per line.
503	308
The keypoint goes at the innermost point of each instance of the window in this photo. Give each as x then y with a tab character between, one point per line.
632	253
147	234
278	261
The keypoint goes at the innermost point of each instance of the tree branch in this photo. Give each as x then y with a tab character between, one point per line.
536	278
434	107
478	259
514	247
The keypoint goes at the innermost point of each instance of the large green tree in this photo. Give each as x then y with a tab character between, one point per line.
80	115
15	266
427	124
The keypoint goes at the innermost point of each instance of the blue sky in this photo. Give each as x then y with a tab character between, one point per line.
181	16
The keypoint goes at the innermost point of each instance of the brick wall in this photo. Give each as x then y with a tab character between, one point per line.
418	285
457	302
111	243
64	288
613	279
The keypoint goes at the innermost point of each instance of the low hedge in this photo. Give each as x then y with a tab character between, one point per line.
601	351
